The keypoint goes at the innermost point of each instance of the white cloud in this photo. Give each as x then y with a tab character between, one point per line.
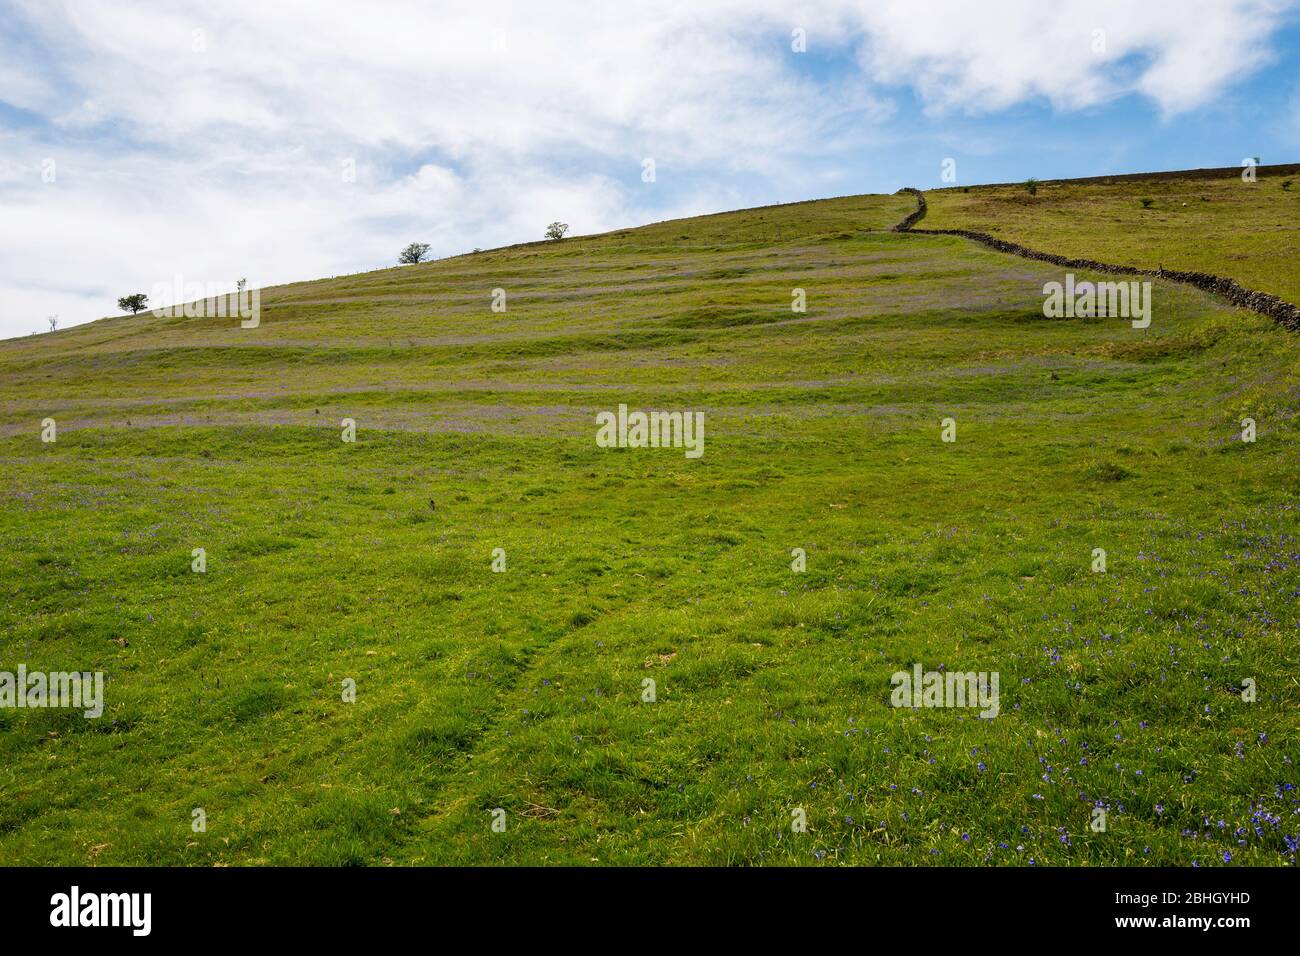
989	56
210	139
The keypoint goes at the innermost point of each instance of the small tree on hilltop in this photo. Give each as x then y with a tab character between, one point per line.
556	230
1031	184
415	252
133	303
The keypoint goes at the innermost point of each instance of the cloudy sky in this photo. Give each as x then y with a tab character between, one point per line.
281	140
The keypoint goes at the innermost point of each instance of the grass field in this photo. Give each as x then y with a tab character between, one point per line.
1206	220
523	690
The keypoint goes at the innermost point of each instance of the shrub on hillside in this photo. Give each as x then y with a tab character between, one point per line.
133	303
415	252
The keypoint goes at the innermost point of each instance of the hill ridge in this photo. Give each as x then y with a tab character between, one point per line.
1266	304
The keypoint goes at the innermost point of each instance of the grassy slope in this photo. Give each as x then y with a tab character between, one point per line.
1210	221
522	690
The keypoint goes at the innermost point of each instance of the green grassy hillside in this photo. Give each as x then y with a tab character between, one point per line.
523	690
1205	220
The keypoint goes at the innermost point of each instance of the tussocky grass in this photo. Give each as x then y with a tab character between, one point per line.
523	690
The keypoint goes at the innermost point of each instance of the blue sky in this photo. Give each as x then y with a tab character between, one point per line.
142	143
